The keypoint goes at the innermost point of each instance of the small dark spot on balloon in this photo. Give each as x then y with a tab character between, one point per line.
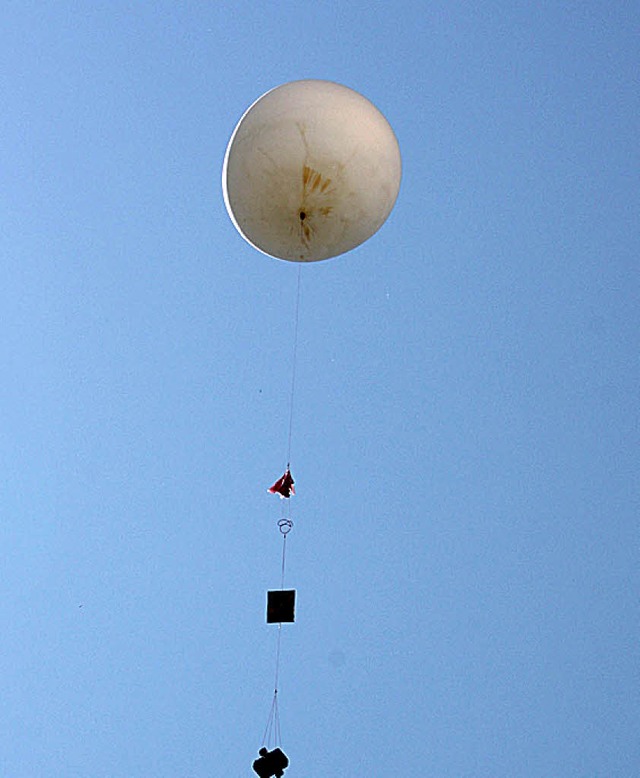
303	216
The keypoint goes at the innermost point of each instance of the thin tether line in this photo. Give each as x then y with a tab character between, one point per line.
284	551
273	722
277	678
295	359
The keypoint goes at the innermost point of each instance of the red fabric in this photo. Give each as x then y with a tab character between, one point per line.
283	486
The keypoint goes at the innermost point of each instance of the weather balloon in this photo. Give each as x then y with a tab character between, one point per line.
312	170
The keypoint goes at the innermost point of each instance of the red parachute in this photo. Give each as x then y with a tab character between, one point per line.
283	486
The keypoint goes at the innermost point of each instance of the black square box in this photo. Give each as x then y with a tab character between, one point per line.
281	606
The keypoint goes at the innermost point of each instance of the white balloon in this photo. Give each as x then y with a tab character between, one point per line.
312	170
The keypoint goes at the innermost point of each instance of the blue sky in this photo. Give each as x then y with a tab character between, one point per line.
466	429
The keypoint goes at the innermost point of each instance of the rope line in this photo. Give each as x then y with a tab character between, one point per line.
277	678
284	552
272	734
295	359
